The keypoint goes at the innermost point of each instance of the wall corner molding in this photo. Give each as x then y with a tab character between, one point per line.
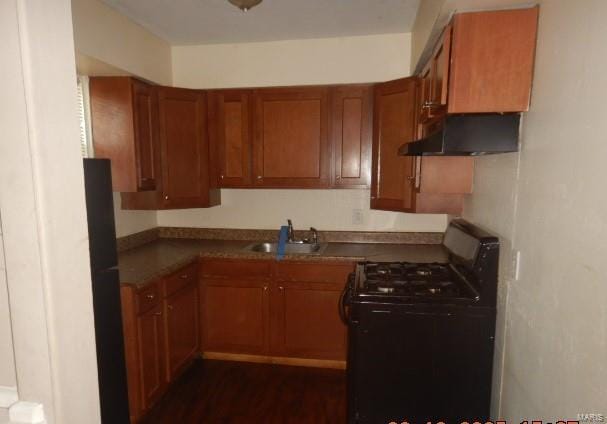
27	412
8	396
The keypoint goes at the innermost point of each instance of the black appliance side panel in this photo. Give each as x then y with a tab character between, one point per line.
111	366
100	214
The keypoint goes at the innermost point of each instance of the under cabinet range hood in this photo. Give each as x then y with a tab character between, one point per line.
469	135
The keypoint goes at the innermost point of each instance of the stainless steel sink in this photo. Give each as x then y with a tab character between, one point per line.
290	248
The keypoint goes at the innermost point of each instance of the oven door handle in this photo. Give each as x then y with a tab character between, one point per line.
343	307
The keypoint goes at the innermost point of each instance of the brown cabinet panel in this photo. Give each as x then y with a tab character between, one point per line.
236	268
124	125
150	334
185	149
235	316
314	273
231	136
182	330
351	122
492	61
447	175
306	322
394	124
146	134
291	137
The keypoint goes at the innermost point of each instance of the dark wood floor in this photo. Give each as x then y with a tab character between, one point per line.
239	392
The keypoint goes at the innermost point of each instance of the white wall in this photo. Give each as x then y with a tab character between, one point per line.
43	212
547	202
296	62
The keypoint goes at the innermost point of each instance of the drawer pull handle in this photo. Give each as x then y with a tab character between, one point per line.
170	307
184	276
150	296
158	314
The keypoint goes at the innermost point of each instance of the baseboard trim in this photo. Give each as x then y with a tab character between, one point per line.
26	412
299	362
8	396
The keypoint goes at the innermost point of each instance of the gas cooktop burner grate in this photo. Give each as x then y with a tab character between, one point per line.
411	279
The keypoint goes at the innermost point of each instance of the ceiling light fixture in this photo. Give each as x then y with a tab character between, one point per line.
245	5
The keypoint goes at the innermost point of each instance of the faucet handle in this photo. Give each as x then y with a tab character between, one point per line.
314	234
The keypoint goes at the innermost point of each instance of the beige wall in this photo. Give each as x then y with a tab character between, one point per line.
547	203
7	358
427	15
296	62
43	212
105	35
129	222
323	209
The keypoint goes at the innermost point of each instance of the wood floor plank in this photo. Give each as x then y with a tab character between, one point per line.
213	391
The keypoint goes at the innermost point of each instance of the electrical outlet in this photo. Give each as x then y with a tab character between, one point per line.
357	216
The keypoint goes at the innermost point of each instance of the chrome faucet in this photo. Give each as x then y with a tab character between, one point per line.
290	234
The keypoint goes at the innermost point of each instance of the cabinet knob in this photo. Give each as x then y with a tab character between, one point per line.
411	178
166	197
158	314
337	177
221	176
281	288
184	276
259	177
150	296
265	288
170	307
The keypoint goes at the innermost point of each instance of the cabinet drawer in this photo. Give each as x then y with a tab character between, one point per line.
147	297
179	279
236	268
310	272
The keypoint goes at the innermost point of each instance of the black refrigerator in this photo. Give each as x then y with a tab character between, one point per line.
111	368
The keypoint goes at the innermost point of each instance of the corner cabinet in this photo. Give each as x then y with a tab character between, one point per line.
161	332
421	184
124	123
185	149
230	133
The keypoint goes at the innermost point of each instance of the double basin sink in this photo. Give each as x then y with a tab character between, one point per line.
290	248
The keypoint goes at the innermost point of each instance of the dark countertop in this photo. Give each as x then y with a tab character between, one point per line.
142	264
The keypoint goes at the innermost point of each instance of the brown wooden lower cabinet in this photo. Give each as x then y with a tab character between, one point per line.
161	332
285	310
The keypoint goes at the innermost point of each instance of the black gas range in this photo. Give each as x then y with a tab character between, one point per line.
421	335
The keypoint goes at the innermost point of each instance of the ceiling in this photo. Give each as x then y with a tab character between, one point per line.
217	21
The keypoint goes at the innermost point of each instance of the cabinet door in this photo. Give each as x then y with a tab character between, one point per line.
145	117
181	329
351	122
394	123
305	320
230	125
235	316
150	334
185	149
291	137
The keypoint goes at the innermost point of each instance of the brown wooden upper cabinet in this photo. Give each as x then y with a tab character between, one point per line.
405	183
351	128
394	119
231	137
291	145
124	123
482	63
185	148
